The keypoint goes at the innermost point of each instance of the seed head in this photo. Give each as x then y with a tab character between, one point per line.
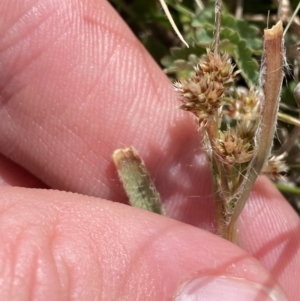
232	149
244	106
219	67
203	93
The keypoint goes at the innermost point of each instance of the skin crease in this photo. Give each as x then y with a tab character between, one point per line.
75	84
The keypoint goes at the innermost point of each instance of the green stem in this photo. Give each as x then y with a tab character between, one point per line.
288	189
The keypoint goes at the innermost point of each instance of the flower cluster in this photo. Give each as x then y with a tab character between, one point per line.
244	105
202	94
218	66
230	148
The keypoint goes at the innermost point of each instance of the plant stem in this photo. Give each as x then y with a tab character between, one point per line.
220	178
218	12
272	74
287	188
136	180
288	119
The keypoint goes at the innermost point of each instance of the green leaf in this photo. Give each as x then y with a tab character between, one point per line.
182	61
237	37
242	55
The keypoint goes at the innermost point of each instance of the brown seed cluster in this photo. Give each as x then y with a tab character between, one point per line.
230	148
203	93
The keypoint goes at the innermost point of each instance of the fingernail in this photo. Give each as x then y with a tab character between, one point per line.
222	288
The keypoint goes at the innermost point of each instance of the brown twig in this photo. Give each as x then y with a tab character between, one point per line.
272	76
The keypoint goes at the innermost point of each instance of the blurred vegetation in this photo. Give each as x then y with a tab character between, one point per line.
242	28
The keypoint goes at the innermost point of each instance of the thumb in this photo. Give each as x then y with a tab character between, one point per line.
220	288
59	245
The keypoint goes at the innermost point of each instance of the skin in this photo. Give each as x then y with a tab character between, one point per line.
75	84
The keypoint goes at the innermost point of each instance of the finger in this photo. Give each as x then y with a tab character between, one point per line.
63	246
68	102
269	230
14	175
76	85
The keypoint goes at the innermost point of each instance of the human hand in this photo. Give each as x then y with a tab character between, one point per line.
76	85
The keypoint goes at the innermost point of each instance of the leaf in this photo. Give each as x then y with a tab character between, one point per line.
182	60
237	37
242	55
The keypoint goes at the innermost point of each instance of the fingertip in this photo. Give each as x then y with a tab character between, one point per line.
87	248
269	230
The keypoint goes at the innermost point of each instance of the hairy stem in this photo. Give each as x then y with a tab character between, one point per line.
218	12
272	76
136	180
